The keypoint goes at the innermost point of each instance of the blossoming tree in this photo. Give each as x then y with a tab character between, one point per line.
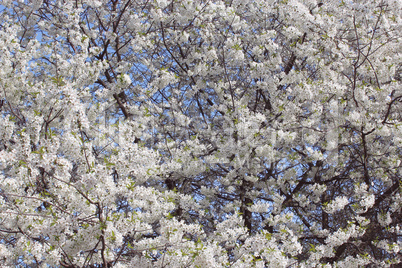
192	133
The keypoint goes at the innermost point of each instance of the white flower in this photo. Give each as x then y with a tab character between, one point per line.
124	80
384	219
339	203
368	201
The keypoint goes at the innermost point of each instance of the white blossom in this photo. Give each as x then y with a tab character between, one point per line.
200	133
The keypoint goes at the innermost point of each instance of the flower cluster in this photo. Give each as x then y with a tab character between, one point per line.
253	133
